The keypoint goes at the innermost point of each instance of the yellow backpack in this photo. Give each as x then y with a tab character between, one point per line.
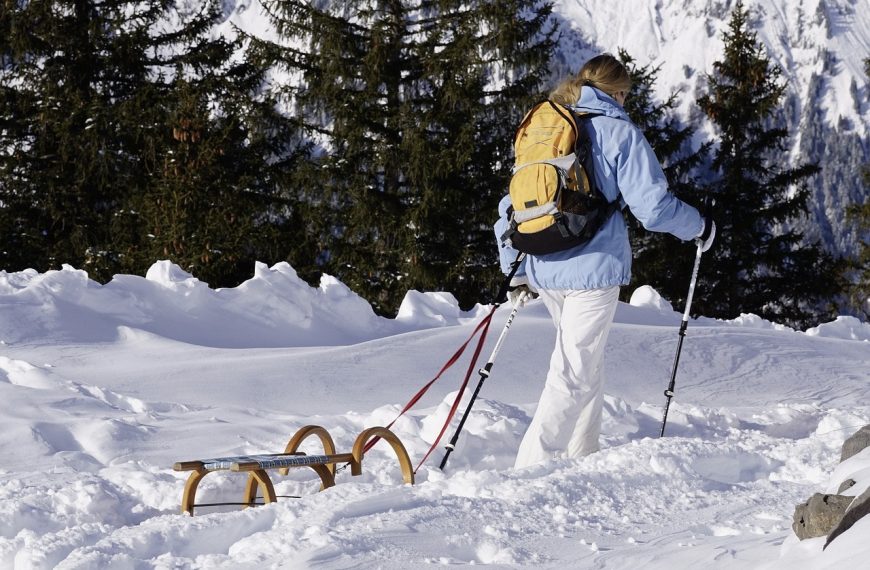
555	203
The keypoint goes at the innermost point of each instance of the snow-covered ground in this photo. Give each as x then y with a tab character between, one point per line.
103	388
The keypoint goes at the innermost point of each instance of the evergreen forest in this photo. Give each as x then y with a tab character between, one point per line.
370	141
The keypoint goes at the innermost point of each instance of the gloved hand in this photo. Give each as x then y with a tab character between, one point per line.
705	238
519	291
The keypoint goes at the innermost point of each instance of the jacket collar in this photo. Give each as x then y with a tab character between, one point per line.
593	100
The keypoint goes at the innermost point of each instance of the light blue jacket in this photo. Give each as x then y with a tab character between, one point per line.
625	168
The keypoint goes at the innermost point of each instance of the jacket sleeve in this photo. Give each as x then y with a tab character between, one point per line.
644	188
506	254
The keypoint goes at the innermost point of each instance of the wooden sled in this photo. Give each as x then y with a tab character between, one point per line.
258	466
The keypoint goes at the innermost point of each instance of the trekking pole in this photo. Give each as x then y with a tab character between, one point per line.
669	393
683	326
484	374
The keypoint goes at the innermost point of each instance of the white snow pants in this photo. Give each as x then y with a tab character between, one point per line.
567	421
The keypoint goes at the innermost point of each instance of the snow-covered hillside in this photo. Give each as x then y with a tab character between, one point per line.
807	38
103	388
820	45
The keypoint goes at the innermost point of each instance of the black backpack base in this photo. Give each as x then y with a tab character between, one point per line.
568	231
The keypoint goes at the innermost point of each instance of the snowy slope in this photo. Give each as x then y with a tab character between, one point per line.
103	388
819	44
685	38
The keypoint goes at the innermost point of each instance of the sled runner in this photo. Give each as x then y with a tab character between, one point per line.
258	466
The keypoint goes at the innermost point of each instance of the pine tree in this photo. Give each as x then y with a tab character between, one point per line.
64	160
659	260
415	104
219	197
759	263
130	135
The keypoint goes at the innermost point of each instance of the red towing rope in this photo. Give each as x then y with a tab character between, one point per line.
482	326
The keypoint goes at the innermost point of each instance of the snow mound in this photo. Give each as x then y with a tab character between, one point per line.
848	328
275	308
750	320
647	307
433	309
646	296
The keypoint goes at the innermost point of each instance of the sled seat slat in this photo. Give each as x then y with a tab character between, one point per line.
297	460
227	463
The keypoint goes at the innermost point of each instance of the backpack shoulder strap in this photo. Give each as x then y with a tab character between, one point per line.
583	146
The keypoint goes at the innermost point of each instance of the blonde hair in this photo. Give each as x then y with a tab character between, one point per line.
604	72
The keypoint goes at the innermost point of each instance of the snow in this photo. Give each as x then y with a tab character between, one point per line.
683	38
843	327
103	388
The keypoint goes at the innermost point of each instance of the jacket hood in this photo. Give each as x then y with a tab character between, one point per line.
593	100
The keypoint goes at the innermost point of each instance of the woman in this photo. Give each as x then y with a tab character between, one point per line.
580	286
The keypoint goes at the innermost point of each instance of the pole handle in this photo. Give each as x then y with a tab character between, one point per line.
693	282
501	296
